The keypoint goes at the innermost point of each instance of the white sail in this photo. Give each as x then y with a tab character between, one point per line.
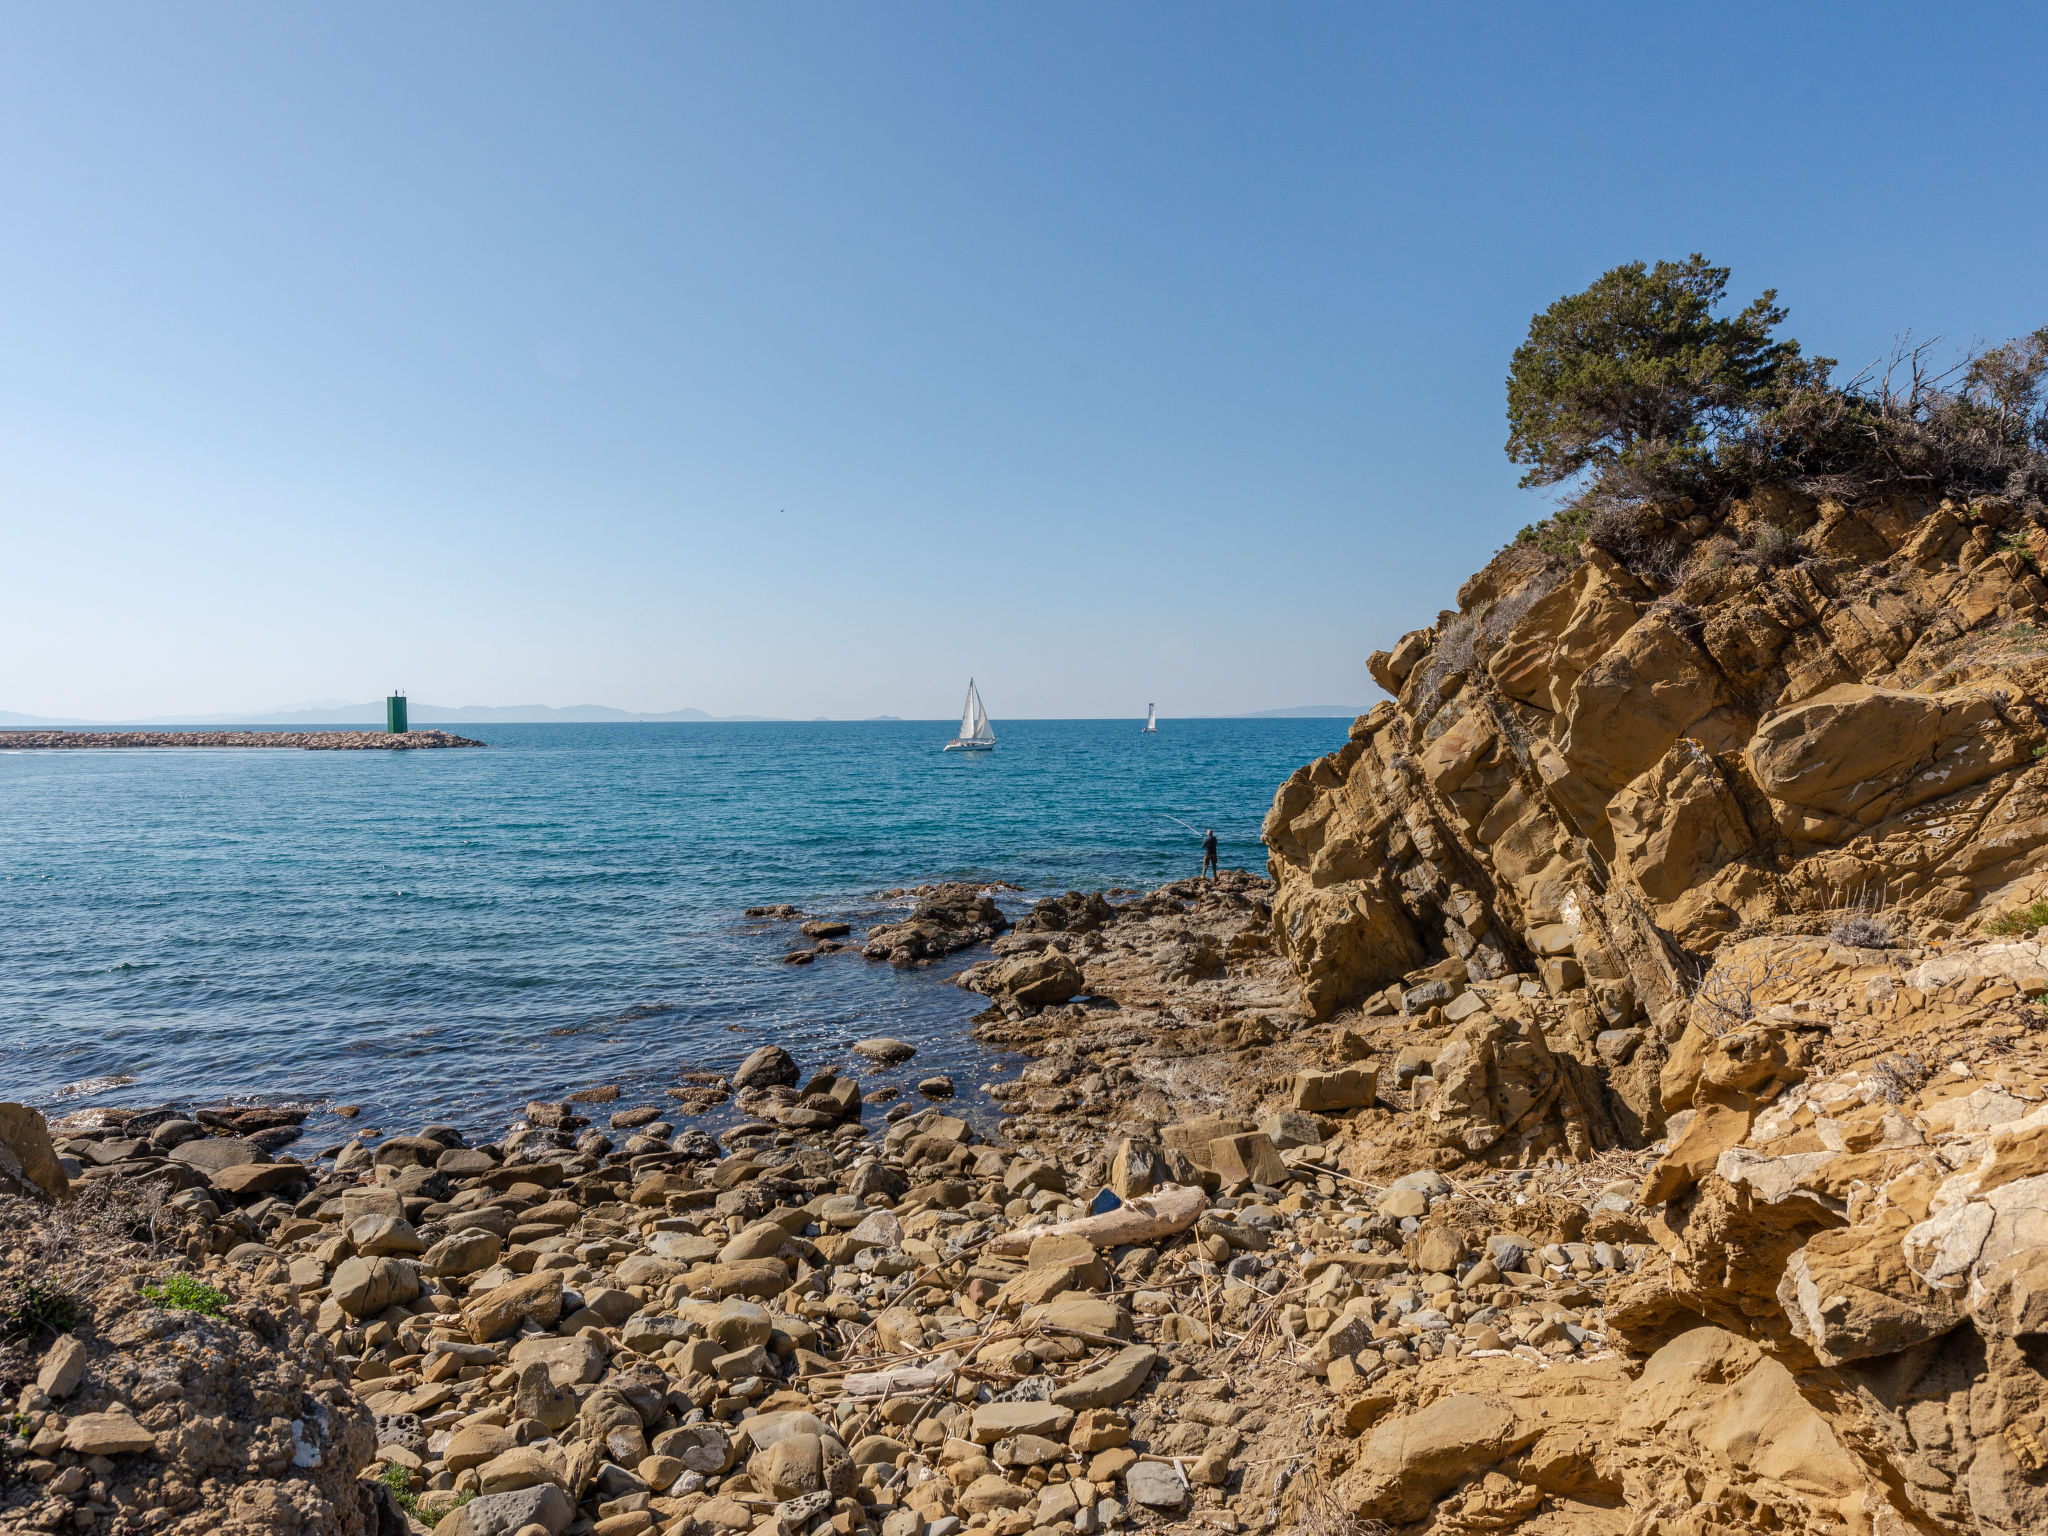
975	735
1151	717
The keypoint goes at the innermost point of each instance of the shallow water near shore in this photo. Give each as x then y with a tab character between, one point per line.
446	935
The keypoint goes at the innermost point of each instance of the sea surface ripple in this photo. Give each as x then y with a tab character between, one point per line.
445	935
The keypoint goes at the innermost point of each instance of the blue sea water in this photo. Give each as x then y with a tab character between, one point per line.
445	935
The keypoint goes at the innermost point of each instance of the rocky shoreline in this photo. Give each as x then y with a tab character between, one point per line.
1572	1137
310	741
1222	1267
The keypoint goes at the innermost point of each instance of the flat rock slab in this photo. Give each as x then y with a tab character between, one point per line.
999	1421
211	1154
253	1178
1111	1383
107	1434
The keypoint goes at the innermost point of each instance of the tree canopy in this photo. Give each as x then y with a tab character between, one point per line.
1637	378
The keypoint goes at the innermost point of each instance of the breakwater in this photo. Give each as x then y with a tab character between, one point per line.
310	741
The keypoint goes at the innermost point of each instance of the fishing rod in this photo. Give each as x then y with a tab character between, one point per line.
1196	830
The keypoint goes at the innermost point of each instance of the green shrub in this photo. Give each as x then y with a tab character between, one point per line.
184	1293
2025	920
31	1307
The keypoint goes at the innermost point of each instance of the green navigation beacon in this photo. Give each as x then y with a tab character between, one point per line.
394	714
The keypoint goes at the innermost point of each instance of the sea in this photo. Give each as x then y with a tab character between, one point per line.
443	936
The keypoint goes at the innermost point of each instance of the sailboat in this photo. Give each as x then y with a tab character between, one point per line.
1151	720
975	736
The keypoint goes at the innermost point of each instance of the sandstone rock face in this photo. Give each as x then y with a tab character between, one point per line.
1590	772
1858	1209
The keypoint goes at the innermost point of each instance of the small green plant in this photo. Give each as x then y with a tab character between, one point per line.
2025	920
31	1307
184	1293
2041	752
399	1481
2015	544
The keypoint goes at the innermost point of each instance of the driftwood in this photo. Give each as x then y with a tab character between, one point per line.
1173	1208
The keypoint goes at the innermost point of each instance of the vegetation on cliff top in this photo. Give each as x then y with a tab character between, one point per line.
1636	393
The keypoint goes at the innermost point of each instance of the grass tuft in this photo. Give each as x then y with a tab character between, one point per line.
30	1308
185	1293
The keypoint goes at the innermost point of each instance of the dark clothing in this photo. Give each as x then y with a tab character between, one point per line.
1209	854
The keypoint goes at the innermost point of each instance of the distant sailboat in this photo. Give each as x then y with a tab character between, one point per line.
975	736
1151	720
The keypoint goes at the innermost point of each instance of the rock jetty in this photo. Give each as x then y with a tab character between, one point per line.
310	741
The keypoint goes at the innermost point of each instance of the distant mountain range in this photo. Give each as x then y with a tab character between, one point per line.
342	712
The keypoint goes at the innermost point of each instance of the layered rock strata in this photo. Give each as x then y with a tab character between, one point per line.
1598	774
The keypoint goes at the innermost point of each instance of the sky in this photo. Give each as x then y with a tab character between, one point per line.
805	359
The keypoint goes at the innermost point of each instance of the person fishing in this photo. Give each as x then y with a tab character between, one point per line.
1208	844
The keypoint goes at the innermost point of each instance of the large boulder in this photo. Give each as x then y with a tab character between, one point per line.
769	1067
1412	1460
1036	981
28	1158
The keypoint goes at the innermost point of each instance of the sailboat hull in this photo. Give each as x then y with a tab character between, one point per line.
969	746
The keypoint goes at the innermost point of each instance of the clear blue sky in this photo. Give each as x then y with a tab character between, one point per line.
803	359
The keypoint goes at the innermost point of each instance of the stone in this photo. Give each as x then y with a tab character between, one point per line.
247	1180
536	1297
884	1051
1438	1251
1328	1092
1290	1128
62	1368
878	1229
759	1240
511	1514
112	1433
1111	1383
1155	1485
745	1277
1039	980
463	1253
992	1491
999	1421
211	1154
1097	1429
472	1445
1411	1459
521	1467
769	1067
569	1362
364	1287
1251	1157
384	1236
701	1448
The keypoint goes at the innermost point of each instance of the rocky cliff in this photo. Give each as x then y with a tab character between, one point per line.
1720	838
1604	765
